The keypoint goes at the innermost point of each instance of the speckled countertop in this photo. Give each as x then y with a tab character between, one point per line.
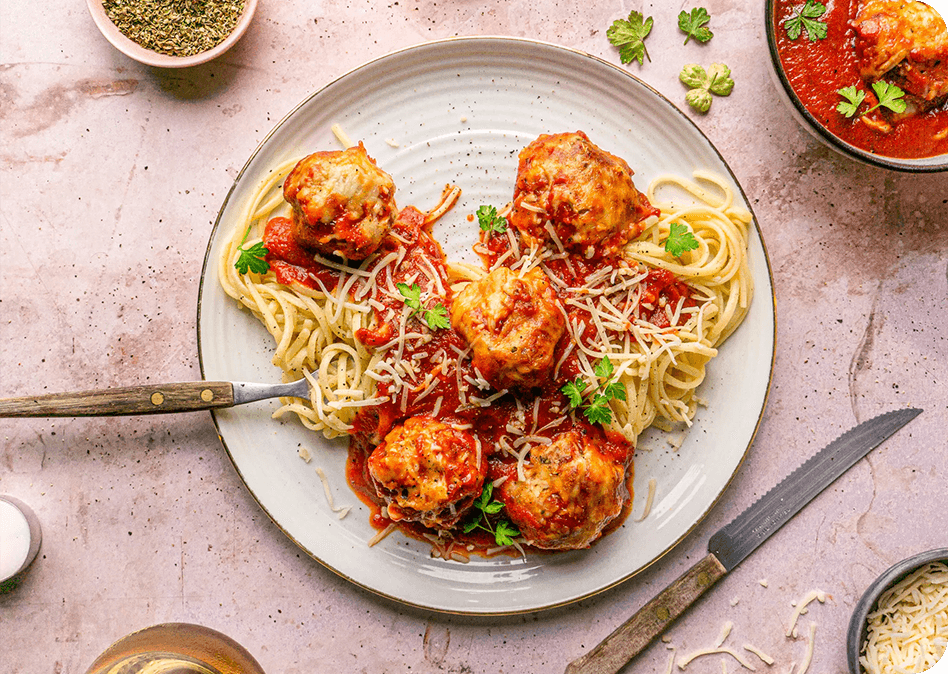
112	175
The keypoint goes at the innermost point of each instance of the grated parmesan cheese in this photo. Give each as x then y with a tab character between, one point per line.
817	595
715	651
908	630
341	511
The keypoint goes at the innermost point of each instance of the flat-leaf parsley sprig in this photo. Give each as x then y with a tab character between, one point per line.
503	531
596	410
490	221
715	80
436	318
680	239
805	18
693	24
888	95
253	258
629	36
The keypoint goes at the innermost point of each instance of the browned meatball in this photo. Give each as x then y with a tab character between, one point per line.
572	488
429	472
585	193
905	43
512	325
343	204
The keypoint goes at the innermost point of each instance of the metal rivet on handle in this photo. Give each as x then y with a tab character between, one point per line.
207	395
157	399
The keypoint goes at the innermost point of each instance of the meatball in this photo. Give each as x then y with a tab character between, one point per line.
343	204
585	193
905	43
512	325
427	471
571	489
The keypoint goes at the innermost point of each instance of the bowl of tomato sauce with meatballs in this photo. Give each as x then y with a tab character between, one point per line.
868	78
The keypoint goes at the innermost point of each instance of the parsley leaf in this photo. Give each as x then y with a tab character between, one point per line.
680	239
805	18
411	294
436	318
889	95
574	391
854	98
715	80
490	221
504	532
597	410
615	391
253	258
604	368
693	24
629	36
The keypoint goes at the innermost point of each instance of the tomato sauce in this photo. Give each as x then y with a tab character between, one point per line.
447	395
816	70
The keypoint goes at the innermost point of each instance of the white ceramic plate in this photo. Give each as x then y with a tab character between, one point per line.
458	111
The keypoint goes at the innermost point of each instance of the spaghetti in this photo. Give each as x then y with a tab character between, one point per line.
365	333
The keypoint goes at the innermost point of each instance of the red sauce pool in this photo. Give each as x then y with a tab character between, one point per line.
817	70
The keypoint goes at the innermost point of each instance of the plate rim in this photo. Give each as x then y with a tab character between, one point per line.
530	42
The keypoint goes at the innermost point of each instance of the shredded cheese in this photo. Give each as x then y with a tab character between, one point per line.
808	656
817	595
908	630
725	632
341	511
759	653
682	663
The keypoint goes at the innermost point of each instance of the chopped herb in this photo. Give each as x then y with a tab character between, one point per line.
805	18
597	410
504	532
693	24
854	98
436	318
629	36
715	80
490	221
574	391
604	368
175	27
680	239
889	95
253	258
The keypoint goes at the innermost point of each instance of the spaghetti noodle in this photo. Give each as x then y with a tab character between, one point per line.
374	358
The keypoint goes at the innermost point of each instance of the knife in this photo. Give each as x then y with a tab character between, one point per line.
734	542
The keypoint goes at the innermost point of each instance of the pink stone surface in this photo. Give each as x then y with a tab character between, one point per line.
112	175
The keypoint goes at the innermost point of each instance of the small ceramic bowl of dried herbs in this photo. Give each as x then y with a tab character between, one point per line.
172	33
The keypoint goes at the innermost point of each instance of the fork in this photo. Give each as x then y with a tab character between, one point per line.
150	399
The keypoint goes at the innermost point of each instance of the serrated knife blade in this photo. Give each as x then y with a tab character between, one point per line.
730	545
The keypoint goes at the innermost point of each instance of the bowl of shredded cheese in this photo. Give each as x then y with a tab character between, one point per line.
172	33
901	622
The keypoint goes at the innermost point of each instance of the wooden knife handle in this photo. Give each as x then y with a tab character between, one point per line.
631	638
157	399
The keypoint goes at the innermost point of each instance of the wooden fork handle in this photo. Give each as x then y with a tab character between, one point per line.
632	636
131	400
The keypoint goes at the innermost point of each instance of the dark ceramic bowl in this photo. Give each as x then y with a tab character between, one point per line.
867	604
824	135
